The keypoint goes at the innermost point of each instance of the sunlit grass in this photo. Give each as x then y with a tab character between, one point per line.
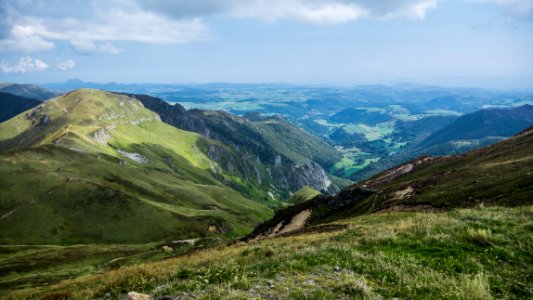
418	255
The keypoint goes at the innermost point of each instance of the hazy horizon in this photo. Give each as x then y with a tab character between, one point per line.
449	43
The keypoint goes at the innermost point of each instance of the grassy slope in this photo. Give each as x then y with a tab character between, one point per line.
496	175
477	253
61	186
281	136
303	194
462	253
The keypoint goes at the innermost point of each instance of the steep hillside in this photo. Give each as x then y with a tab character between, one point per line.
495	123
290	158
499	174
393	236
30	91
96	167
12	105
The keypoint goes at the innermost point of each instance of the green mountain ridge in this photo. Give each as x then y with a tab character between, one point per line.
97	167
289	158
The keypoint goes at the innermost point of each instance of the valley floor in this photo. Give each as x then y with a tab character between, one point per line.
476	253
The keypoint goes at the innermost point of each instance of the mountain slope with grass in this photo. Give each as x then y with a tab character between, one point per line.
289	157
303	194
499	174
12	105
97	167
456	227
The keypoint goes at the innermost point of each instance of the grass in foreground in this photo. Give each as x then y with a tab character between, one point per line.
477	253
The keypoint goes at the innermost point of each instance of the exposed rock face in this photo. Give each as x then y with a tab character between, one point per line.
34	113
134	156
101	136
403	169
295	217
251	149
45	120
138	296
313	175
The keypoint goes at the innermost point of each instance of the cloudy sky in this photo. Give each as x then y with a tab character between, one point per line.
447	42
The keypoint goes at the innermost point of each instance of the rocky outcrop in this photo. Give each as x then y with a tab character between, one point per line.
401	170
310	174
136	157
295	217
101	136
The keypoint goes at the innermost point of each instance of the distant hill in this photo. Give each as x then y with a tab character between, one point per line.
291	158
487	123
418	130
97	167
456	134
12	105
360	115
30	91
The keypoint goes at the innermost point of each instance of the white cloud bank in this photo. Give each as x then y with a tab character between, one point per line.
92	26
89	26
65	65
25	64
318	12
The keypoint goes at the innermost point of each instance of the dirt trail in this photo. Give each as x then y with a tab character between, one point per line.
297	222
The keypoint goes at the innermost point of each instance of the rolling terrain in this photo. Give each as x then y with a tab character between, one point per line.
456	227
374	127
480	128
97	167
445	136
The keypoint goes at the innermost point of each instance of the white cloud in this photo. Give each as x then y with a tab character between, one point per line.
25	64
93	26
65	65
318	12
88	47
24	38
89	26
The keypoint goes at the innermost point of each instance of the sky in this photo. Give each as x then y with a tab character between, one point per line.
485	43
